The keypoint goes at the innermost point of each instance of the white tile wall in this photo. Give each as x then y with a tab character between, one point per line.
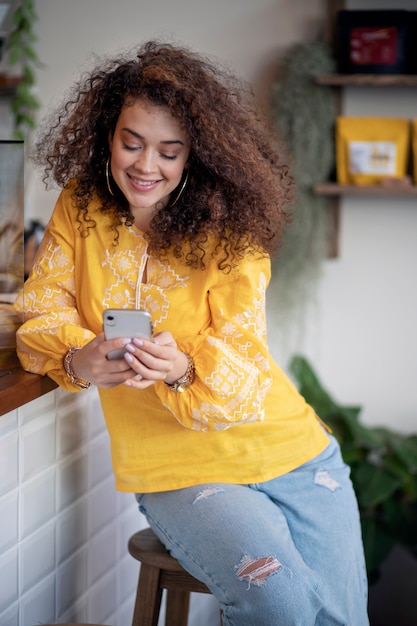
63	526
10	617
37	557
37	502
9	520
9	470
9	588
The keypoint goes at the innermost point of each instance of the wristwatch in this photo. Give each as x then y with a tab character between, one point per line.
186	380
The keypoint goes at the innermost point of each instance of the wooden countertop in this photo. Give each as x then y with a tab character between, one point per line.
18	387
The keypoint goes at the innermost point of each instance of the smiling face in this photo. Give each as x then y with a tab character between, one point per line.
149	151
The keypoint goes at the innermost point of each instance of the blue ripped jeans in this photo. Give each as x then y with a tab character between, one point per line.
286	552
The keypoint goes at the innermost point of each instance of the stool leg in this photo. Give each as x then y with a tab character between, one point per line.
148	597
178	604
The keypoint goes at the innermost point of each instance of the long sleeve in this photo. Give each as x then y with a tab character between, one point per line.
48	305
233	370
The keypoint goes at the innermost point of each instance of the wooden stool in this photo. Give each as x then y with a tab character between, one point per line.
158	571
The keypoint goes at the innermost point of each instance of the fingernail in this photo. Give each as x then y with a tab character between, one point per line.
125	342
130	347
137	342
128	357
127	383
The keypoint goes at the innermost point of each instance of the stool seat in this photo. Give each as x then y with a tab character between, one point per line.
158	571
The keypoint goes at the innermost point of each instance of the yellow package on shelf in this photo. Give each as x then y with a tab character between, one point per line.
371	149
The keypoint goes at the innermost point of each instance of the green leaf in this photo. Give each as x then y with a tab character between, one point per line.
13	40
351	454
22	99
17	16
30	9
14	55
24	119
28	75
30	36
397	467
343	420
406	450
373	484
377	545
18	135
310	387
366	437
29	53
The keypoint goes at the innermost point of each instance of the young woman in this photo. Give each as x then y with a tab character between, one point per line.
174	195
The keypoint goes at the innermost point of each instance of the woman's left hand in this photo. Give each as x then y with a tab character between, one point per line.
155	359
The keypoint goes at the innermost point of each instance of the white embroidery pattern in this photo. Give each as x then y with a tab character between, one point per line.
154	296
122	293
236	380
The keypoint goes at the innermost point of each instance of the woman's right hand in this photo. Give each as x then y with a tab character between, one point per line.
91	364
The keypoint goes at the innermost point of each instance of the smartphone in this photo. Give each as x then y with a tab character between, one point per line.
131	323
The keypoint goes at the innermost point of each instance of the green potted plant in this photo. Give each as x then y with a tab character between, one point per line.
21	53
383	470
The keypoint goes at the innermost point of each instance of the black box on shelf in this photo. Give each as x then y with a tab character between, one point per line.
377	42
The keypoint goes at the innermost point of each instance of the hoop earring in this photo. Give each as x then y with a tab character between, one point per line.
108	177
179	194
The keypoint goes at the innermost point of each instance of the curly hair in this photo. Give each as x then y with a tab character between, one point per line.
239	188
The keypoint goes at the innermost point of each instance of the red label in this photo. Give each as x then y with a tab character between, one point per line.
373	46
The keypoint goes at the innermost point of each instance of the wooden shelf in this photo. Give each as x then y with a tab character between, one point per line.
367	80
334	189
9	82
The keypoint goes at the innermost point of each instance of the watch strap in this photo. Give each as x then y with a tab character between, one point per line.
184	382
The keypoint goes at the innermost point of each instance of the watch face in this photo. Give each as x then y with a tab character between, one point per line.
183	386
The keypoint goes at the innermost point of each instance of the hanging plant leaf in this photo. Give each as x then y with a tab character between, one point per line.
28	75
29	53
21	52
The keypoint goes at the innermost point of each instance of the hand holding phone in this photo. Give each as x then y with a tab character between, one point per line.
118	323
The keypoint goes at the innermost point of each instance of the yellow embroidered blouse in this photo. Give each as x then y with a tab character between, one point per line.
241	421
